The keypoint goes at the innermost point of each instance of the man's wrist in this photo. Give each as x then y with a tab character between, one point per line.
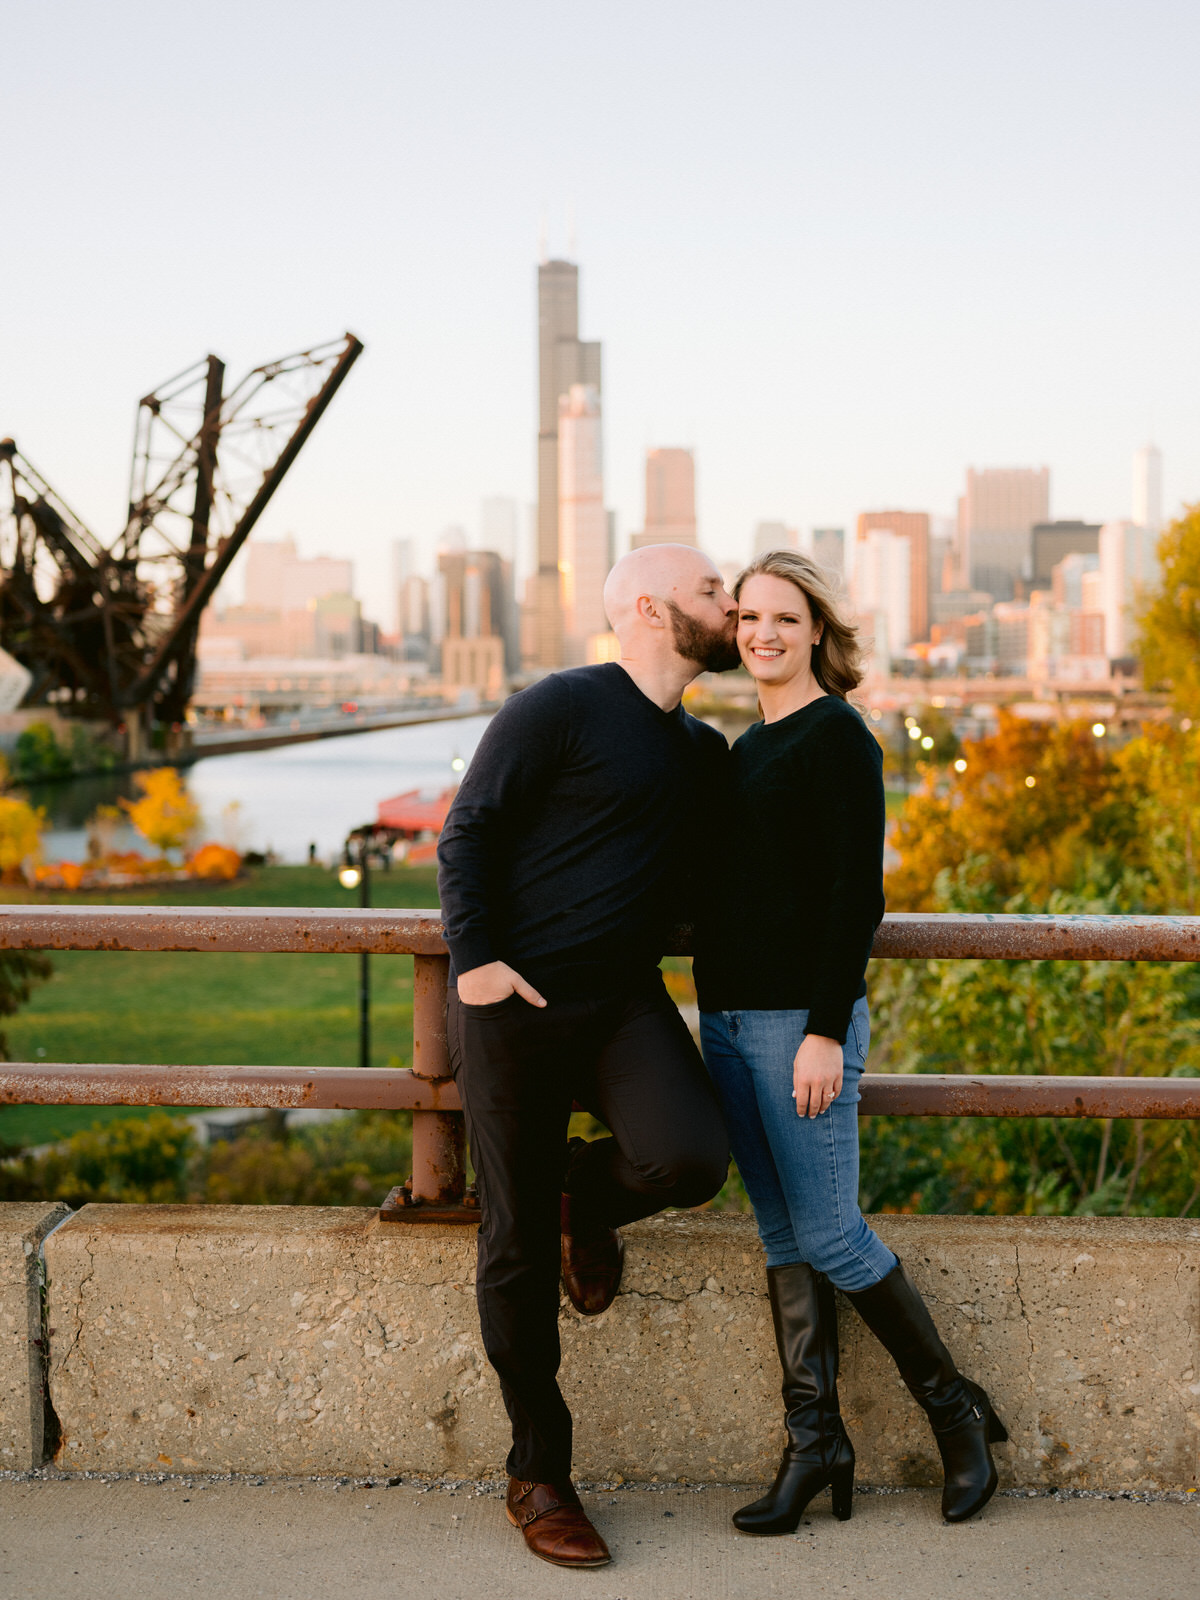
470	953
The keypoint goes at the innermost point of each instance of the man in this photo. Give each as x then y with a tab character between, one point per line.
561	866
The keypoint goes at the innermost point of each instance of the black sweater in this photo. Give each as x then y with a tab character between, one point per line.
564	848
790	925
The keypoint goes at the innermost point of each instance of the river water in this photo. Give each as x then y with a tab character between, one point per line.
281	800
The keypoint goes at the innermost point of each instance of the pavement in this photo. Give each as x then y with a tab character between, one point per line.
288	1539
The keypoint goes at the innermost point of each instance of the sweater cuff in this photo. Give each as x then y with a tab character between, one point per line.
829	1020
471	950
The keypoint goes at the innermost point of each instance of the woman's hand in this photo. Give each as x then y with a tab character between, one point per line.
817	1074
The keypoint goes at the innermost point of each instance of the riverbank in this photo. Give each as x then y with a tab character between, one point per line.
283	800
239	741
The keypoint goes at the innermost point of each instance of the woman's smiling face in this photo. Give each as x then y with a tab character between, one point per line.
776	630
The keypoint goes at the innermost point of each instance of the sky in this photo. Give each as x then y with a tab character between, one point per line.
841	251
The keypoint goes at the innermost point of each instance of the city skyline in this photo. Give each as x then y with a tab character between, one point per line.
838	311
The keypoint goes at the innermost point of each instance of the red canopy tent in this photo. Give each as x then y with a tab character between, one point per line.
409	815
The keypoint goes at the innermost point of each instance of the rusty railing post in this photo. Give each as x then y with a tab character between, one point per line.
439	1143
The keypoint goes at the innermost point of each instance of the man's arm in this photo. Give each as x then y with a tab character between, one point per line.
520	751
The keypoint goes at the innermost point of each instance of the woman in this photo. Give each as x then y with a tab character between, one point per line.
785	1029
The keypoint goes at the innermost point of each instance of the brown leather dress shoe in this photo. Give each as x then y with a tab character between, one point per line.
555	1525
592	1259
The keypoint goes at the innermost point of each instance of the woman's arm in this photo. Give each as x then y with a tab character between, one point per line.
848	808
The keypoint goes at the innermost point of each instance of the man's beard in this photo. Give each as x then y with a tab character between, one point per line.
713	649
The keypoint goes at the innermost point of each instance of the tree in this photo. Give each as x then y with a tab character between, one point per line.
20	841
166	814
1038	807
1098	1018
1160	775
1094	832
1170	624
20	832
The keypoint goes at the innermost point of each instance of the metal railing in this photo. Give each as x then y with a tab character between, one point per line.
436	1189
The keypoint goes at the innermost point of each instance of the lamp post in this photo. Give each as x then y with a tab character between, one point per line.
356	874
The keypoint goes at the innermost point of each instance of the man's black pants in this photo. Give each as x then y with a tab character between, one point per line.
629	1059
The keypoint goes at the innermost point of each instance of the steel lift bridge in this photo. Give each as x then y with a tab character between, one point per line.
109	631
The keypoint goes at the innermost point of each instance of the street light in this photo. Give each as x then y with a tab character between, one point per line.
1099	729
354	873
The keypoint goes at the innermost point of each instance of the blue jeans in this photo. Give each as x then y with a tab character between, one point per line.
801	1173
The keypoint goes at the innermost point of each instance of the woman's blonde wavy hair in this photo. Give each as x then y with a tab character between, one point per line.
837	662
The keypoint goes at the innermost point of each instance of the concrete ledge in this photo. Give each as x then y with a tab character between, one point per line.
298	1340
23	1226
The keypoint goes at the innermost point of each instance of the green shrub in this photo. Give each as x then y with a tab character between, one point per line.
157	1160
144	1159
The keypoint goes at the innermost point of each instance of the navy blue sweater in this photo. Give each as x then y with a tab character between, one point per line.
567	850
792	916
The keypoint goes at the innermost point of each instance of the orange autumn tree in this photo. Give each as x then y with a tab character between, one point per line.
1039	809
166	814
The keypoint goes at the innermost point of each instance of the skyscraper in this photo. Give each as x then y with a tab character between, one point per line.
774	536
913	526
582	521
1052	542
277	579
670	498
563	360
996	516
1147	488
472	606
829	549
882	589
498	527
413	622
1128	571
404	565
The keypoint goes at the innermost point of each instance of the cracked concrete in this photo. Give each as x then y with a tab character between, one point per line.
300	1340
23	1226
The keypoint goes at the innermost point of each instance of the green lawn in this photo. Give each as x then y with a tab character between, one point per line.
219	1009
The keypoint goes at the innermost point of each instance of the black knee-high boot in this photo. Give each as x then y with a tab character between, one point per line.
818	1452
959	1412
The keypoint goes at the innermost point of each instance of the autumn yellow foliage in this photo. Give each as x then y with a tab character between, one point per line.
1170	624
166	814
20	832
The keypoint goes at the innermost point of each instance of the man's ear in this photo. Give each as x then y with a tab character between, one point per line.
648	610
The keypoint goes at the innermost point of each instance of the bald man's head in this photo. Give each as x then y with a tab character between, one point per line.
656	571
670	597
